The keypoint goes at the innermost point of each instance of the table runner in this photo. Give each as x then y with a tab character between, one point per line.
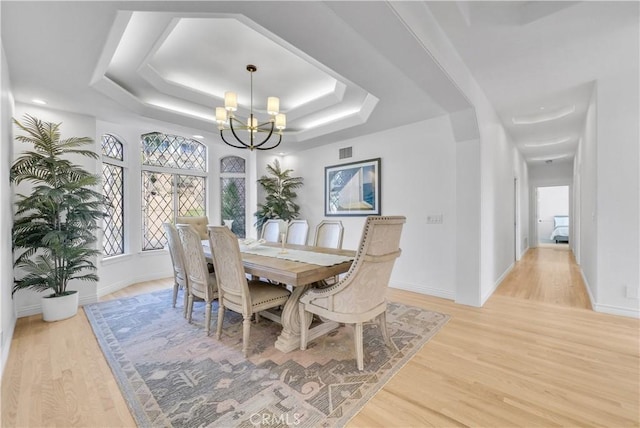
310	257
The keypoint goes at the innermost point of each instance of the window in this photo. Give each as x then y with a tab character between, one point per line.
173	183
232	191
113	191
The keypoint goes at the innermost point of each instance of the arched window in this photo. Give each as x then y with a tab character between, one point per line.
233	191
173	183
113	190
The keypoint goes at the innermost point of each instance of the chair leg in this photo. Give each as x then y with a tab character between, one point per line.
220	319
246	330
175	293
207	318
257	317
190	308
304	329
382	322
186	302
359	350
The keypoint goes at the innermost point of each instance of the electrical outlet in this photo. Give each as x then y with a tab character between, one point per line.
632	292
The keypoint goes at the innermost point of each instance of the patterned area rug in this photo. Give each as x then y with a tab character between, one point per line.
172	374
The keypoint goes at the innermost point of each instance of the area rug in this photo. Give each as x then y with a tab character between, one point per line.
172	374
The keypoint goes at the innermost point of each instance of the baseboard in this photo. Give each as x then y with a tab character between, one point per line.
592	300
496	284
617	310
424	289
7	338
608	309
119	285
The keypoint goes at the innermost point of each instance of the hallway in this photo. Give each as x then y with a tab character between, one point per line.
547	274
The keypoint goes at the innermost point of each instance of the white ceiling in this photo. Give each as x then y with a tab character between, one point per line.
340	69
537	59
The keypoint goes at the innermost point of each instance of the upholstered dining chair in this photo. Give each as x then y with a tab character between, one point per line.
297	232
329	234
176	252
360	296
199	223
246	297
271	230
202	284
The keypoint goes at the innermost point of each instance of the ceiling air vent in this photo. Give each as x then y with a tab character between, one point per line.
345	153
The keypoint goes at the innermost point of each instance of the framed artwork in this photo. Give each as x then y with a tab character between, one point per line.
352	189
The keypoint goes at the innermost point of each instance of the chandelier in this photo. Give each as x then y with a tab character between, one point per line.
227	121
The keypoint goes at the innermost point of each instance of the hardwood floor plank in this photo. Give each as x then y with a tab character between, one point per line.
534	356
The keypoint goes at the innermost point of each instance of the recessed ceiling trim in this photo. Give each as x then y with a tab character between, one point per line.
544	117
551	157
554	142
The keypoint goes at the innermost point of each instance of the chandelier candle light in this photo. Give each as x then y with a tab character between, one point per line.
227	121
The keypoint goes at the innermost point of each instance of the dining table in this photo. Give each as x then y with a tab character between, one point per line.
299	267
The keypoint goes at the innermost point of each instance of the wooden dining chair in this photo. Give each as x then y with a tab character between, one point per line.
271	230
329	234
176	252
246	297
297	232
202	284
360	296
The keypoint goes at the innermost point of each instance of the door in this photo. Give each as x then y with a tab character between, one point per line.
551	202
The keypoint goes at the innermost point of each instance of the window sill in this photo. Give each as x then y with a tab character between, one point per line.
115	259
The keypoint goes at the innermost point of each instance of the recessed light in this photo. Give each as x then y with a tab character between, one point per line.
198	136
39	101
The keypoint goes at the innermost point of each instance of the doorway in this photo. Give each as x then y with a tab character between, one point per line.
552	214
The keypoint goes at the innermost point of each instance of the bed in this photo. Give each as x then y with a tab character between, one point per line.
560	229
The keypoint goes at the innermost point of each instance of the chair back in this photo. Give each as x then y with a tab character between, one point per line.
199	224
364	285
196	264
297	232
177	254
271	231
227	262
329	234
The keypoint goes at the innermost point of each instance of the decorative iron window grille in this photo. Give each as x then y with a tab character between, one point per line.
173	183
233	193
113	191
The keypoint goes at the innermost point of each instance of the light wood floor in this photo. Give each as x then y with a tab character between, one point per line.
527	358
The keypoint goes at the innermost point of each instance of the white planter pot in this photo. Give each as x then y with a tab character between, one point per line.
61	307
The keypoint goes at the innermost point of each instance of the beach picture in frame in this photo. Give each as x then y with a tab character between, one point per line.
352	189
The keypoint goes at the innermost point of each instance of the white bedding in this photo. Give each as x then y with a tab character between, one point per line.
560	232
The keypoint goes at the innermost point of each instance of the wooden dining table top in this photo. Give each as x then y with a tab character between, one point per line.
292	272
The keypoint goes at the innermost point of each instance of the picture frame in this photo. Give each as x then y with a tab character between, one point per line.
353	189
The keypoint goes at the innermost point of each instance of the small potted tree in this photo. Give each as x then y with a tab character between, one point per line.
280	188
54	231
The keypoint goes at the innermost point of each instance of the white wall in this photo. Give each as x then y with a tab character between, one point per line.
418	164
618	202
499	161
587	190
7	312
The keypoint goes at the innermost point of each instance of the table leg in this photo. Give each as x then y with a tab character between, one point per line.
289	339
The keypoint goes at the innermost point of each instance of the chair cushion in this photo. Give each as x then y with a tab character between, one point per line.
198	223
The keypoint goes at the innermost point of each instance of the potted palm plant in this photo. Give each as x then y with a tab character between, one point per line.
279	187
54	231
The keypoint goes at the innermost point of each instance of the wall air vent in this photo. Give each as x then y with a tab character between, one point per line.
345	153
